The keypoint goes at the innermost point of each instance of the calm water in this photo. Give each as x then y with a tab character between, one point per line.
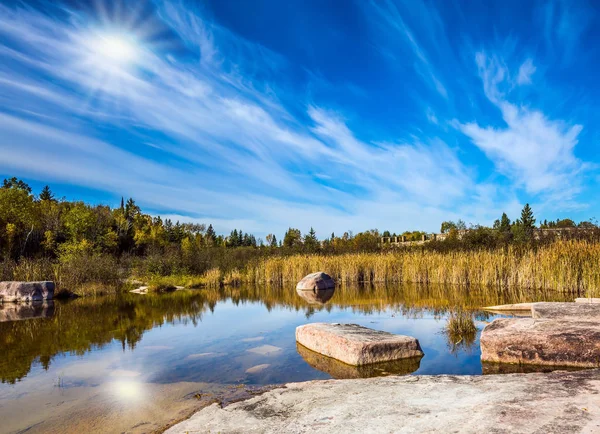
134	363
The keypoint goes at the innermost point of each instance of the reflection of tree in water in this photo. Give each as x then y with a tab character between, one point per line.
80	325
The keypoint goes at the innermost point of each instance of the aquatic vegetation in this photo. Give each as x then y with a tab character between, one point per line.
460	330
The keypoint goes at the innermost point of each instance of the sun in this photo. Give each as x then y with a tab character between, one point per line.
114	49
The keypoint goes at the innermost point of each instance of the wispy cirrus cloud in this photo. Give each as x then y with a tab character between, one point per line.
533	150
227	151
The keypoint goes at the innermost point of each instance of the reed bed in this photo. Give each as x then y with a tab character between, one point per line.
568	266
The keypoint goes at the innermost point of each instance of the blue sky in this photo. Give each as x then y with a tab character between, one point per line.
339	115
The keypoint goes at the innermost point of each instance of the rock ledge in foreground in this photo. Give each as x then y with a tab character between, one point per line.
515	403
356	345
316	281
26	291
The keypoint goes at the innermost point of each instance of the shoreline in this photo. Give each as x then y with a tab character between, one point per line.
559	401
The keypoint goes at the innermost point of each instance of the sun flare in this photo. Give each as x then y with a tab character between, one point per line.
115	49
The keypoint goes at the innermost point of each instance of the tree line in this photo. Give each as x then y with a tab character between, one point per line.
45	226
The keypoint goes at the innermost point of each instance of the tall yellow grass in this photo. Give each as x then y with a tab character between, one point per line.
564	266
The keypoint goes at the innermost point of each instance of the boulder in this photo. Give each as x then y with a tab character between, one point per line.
356	345
574	311
316	296
553	342
318	280
340	370
26	291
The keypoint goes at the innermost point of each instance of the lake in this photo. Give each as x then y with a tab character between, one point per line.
136	363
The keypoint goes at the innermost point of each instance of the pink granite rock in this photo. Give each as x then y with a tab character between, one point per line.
318	280
356	345
554	342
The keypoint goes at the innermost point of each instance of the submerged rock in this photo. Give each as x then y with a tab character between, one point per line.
26	291
340	370
356	345
318	280
556	342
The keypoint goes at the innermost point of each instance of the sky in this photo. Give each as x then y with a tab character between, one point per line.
338	115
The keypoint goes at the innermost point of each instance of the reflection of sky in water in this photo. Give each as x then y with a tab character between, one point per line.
219	349
228	344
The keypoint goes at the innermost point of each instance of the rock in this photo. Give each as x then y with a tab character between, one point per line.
258	368
557	402
20	311
264	350
340	370
140	290
318	280
575	311
587	300
511	307
356	345
26	291
316	296
552	342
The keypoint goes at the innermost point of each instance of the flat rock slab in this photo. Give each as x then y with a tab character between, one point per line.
573	311
356	345
587	300
26	291
318	280
516	307
552	342
557	402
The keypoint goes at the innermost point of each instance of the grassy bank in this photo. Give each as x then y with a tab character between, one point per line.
567	266
572	266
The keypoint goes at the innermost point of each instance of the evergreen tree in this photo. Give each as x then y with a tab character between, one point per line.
46	194
310	240
527	218
122	205
504	223
211	236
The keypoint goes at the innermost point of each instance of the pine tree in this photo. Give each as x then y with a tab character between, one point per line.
122	205
46	194
211	236
504	223
527	218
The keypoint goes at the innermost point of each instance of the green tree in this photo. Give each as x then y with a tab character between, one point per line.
292	238
17	184
311	242
46	194
211	236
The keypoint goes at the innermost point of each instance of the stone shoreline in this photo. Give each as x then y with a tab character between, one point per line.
559	401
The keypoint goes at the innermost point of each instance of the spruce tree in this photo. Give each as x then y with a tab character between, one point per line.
527	218
46	194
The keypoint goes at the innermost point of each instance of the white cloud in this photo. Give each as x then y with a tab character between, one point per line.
230	152
534	151
526	70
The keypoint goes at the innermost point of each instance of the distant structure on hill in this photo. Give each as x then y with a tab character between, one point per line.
538	234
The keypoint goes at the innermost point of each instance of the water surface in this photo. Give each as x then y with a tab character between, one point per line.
134	363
